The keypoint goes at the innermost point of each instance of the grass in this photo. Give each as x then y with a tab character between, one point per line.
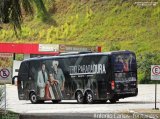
9	115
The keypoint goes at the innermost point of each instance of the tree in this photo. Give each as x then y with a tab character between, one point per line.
144	66
11	10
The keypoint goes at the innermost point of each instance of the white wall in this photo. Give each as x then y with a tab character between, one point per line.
16	65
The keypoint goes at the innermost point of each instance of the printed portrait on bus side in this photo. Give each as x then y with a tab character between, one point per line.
42	80
56	79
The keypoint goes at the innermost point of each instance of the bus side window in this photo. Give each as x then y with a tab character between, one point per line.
23	72
23	68
32	72
23	75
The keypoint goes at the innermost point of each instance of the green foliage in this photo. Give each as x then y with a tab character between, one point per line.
144	66
114	47
9	115
11	11
41	11
19	57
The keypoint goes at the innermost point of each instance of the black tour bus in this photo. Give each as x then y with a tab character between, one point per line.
86	77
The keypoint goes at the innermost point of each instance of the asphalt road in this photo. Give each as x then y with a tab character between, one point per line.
144	100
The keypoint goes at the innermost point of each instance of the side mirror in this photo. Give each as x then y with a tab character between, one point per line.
14	79
16	70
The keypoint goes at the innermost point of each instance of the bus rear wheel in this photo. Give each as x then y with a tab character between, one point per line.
89	97
33	98
80	97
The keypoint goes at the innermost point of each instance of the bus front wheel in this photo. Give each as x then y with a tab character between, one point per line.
33	98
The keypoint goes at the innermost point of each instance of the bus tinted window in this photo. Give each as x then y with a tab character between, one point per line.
24	68
124	62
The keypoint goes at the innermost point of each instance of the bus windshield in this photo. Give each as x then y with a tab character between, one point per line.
124	63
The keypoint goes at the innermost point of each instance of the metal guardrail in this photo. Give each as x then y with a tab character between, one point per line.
3	101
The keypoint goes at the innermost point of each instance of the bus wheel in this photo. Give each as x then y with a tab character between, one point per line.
112	100
89	97
33	98
80	97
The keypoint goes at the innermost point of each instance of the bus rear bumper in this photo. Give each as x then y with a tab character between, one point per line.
120	95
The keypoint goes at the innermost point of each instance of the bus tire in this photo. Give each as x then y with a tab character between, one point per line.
112	101
33	98
80	97
89	97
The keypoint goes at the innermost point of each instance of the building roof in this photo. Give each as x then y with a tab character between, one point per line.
23	48
49	49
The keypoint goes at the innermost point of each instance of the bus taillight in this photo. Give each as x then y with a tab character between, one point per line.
112	85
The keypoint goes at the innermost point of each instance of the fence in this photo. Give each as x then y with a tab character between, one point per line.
3	101
4	114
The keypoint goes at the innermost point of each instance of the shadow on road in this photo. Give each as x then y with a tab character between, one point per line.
120	102
57	116
135	102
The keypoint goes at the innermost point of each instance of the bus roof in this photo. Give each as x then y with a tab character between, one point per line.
79	54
